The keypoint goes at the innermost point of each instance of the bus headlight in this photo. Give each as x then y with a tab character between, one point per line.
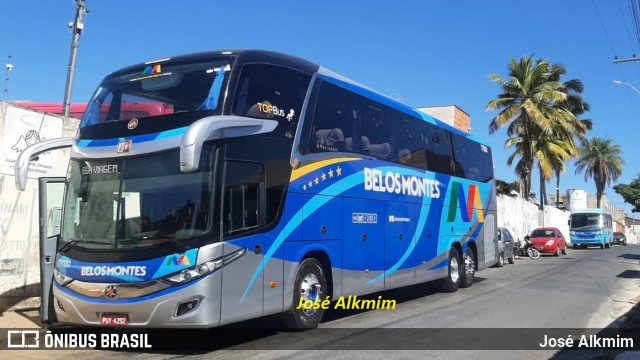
195	272
61	278
203	269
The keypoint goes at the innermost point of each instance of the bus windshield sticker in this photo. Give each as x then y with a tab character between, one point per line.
266	108
100	169
151	71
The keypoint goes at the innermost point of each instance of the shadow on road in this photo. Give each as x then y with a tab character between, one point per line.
257	334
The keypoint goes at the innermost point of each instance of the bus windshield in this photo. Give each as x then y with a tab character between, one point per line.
159	89
134	202
586	222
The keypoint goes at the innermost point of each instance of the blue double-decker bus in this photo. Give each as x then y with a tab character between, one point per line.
266	181
591	227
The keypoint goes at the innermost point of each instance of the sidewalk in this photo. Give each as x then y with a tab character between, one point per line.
22	319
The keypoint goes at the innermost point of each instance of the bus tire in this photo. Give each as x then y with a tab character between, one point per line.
310	284
452	282
468	270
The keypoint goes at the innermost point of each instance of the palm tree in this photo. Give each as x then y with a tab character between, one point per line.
550	151
601	160
532	105
579	127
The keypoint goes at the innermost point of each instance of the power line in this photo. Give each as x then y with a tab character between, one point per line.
626	27
606	34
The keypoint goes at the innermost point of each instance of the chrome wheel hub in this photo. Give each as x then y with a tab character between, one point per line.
454	268
310	290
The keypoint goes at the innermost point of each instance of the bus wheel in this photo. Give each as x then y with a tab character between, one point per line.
310	285
452	282
469	268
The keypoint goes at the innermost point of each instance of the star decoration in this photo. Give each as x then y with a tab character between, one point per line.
322	177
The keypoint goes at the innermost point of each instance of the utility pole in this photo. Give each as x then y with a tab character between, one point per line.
77	26
633	58
8	67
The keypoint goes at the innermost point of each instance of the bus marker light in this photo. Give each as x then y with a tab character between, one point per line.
273	284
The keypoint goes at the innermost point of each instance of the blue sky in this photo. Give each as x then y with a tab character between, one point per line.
428	52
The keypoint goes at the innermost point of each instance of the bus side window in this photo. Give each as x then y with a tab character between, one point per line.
411	145
438	147
243	197
333	120
376	132
271	92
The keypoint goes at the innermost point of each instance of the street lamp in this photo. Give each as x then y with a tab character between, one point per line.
626	84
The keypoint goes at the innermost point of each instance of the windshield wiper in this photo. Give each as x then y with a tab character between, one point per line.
68	244
177	245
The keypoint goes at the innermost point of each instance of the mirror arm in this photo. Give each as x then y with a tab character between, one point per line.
217	127
21	166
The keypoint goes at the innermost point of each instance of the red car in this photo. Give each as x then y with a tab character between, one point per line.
548	240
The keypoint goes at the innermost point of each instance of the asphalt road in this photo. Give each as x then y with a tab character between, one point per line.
585	289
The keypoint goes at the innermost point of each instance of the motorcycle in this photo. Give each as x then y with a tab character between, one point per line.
525	248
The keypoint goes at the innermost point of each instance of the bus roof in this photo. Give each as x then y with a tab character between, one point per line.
255	55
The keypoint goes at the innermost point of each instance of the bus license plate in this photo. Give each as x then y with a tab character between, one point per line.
114	319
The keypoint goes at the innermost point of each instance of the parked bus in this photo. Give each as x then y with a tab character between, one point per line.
274	181
591	227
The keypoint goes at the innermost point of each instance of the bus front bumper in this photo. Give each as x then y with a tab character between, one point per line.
192	305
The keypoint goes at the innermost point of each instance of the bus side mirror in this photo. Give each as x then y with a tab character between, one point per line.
569	222
217	127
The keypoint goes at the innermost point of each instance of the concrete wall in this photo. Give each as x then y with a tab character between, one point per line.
520	217
19	230
451	115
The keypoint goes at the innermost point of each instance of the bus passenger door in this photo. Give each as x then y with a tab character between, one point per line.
242	281
242	217
51	192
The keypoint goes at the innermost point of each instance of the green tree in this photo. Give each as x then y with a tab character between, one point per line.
577	127
601	160
630	193
541	114
505	188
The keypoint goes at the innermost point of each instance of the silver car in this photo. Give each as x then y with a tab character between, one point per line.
505	247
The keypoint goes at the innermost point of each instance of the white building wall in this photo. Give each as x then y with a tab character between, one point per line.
520	217
19	230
